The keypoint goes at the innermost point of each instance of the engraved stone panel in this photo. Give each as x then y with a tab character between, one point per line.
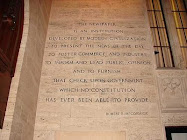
174	119
172	92
98	72
172	88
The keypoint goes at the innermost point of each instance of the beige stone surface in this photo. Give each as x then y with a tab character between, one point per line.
98	73
176	118
132	127
172	85
107	95
173	90
90	135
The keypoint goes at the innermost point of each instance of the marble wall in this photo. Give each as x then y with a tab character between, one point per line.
96	77
98	72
